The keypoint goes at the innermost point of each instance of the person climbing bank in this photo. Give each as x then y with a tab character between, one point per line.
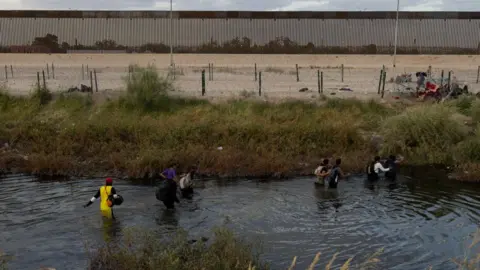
106	193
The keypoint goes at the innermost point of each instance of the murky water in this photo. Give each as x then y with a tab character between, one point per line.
418	222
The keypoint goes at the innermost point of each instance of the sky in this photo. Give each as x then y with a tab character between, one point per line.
262	5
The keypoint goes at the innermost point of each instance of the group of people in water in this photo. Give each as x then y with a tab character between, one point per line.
328	175
166	191
170	184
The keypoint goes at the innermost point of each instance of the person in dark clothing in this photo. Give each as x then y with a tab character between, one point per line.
171	194
374	168
392	164
335	174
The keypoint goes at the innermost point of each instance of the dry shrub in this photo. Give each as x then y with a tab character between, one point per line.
425	134
145	250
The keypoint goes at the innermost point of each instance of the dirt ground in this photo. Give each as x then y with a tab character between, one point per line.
233	75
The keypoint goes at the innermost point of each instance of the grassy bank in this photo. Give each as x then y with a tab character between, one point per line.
144	131
140	249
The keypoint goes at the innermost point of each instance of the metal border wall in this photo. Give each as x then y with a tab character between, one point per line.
239	31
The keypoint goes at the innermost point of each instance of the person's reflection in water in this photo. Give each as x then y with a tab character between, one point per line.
167	219
327	198
111	229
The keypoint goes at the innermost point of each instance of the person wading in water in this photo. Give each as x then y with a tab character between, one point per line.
335	174
322	172
374	168
186	185
167	191
107	194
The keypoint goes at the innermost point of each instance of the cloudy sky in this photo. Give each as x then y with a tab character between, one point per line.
291	5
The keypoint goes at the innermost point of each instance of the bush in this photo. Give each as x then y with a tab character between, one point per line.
426	134
143	250
146	90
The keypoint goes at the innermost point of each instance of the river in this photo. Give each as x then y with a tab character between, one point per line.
418	222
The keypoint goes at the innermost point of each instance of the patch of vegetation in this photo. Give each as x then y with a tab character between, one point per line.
146	129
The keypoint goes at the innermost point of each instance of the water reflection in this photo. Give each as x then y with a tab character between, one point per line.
111	229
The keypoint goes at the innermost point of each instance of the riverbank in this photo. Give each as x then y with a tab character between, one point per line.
144	131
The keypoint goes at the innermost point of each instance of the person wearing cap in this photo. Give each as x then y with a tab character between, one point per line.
104	192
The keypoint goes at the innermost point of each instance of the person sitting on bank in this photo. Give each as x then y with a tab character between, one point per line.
335	174
322	172
186	184
374	168
106	203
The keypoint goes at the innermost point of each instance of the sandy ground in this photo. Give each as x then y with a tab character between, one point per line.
233	75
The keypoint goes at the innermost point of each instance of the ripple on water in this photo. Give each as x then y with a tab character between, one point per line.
416	224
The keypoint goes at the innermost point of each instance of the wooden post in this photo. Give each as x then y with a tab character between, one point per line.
260	83
441	79
342	71
11	70
6	73
429	75
380	81
203	82
318	80
44	82
383	83
255	71
174	73
48	72
87	71
298	77
91	81
38	80
96	82
83	72
449	79
53	71
478	73
321	81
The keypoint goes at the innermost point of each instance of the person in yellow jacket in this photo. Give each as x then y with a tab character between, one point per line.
105	193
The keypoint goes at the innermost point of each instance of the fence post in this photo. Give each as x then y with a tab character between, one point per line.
96	82
260	83
203	82
53	71
449	79
478	73
83	72
44	83
91	81
48	72
441	79
342	72
383	83
255	71
11	70
380	81
38	80
6	73
318	80
321	81
296	67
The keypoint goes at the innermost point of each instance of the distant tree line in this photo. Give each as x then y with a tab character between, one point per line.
281	45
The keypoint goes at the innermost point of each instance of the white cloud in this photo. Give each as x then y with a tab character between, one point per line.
303	5
434	5
280	5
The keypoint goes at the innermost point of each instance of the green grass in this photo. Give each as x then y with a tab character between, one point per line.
147	128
